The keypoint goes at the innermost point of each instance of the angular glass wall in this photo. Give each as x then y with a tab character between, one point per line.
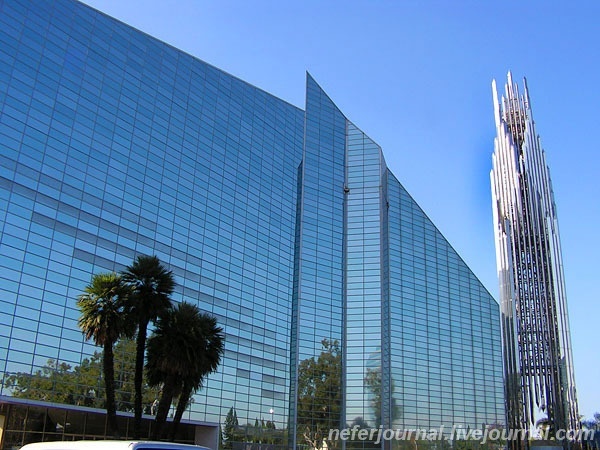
366	347
445	336
114	145
317	325
420	334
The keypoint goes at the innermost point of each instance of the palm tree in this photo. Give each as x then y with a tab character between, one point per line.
186	346
211	343
102	319
152	285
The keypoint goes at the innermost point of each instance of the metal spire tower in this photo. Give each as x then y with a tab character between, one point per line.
538	366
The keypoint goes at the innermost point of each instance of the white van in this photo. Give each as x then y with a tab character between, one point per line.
110	445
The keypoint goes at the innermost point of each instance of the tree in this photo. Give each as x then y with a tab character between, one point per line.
124	379
185	347
373	383
208	337
230	429
103	319
592	424
82	385
55	382
320	395
152	285
592	439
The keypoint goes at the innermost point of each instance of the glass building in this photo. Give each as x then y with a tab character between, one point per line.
418	332
285	223
538	364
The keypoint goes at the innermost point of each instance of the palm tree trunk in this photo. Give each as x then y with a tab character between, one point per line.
184	399
140	351
164	405
109	383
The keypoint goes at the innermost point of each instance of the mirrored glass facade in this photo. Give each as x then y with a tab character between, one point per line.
115	144
445	356
420	334
285	223
318	298
367	303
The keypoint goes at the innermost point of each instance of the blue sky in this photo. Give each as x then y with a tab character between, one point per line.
416	77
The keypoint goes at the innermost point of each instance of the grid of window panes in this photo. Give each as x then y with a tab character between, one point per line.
445	348
114	145
364	290
318	304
